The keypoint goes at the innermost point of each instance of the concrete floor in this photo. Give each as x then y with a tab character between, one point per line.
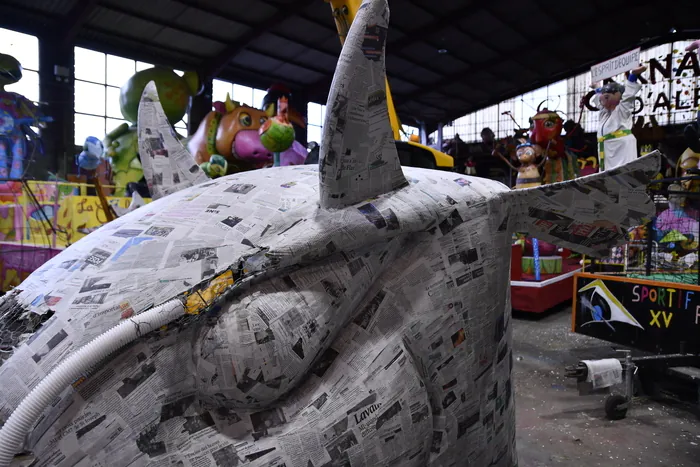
557	427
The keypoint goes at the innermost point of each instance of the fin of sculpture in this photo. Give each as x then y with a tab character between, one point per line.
358	158
167	165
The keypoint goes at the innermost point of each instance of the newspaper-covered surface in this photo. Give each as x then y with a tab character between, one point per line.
378	334
586	214
375	334
167	165
358	157
136	202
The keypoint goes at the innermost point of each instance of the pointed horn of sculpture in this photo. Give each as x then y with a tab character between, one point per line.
167	165
358	157
540	104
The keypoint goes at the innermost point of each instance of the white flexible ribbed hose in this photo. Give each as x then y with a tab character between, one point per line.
13	433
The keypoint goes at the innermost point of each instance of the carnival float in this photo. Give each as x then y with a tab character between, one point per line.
246	138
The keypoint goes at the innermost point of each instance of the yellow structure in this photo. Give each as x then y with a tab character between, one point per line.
344	12
41	219
51	214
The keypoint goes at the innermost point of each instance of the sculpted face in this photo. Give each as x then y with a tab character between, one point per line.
546	126
238	135
526	154
233	132
610	100
689	160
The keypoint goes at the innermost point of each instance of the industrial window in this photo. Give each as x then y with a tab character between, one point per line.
24	48
98	79
242	94
498	117
316	114
671	99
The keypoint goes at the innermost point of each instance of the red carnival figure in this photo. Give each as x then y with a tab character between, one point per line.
560	164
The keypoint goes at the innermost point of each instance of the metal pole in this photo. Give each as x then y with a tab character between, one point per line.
423	134
629	375
38	205
650	246
439	137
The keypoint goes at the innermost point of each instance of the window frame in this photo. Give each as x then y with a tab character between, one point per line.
180	127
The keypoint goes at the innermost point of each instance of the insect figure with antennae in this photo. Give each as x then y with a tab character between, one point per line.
545	131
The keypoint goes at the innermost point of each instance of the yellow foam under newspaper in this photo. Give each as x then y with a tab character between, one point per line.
198	300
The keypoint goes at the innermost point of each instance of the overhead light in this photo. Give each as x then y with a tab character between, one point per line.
442	51
673	30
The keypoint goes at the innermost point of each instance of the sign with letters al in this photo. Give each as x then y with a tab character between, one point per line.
671	85
642	314
615	66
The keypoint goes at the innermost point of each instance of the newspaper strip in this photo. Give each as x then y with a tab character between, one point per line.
571	213
136	202
358	157
167	164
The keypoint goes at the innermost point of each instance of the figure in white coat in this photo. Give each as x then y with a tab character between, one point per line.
616	143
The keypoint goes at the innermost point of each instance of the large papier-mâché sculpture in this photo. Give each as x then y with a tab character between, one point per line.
371	330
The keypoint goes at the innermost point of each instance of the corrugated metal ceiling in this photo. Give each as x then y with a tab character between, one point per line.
445	57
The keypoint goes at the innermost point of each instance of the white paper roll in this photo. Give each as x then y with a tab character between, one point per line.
604	373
